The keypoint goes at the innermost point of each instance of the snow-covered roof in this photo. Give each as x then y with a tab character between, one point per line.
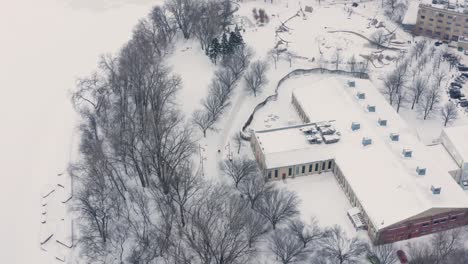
386	183
458	136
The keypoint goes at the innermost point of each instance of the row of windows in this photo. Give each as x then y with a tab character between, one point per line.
303	169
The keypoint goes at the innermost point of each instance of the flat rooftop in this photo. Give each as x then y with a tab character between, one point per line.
386	183
458	135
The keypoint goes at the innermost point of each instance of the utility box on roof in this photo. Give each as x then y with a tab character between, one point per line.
366	141
420	171
355	126
435	190
382	122
371	108
361	95
394	136
407	153
352	84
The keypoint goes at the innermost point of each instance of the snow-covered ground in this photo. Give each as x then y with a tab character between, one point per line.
46	45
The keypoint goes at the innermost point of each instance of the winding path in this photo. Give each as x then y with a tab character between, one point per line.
245	134
366	38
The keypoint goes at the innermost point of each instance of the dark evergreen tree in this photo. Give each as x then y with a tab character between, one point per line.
225	49
214	50
235	39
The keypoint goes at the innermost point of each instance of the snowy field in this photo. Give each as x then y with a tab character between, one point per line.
53	42
46	45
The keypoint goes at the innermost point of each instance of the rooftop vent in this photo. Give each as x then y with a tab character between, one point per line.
420	171
435	190
371	108
327	130
355	126
351	84
314	139
407	153
382	122
366	141
361	95
394	136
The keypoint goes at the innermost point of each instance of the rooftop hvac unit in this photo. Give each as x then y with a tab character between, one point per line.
371	108
394	136
352	84
366	141
361	95
355	126
382	122
420	171
435	190
407	153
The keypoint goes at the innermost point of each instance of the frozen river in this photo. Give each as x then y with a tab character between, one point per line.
44	46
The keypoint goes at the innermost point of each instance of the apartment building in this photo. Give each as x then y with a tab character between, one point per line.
444	22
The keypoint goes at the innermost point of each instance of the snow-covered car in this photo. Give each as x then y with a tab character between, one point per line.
402	256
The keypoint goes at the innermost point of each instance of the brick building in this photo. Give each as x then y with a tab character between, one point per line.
400	190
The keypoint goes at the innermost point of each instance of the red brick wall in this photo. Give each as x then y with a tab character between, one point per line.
424	226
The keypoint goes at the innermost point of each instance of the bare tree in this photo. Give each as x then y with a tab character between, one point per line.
216	231
337	58
203	120
420	253
238	168
238	141
434	94
341	249
401	97
286	247
385	254
306	233
256	227
277	206
209	22
417	89
363	68
254	187
395	82
424	106
379	37
444	244
449	113
255	78
186	14
238	61
352	63
438	77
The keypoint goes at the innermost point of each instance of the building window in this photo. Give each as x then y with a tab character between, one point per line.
449	23
438	27
453	218
466	20
440	21
269	174
425	224
443	220
289	171
310	168
303	169
329	164
297	169
431	19
458	25
441	15
316	166
447	28
276	173
436	222
423	17
323	165
450	16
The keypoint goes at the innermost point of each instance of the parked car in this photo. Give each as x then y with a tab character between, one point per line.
463	103
463	68
455	84
438	43
402	256
455	93
465	74
459	80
